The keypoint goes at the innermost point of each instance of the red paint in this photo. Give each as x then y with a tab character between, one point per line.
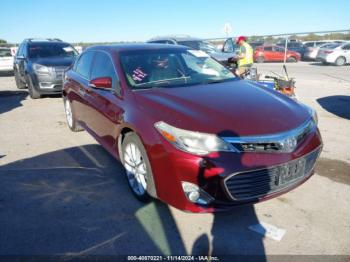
102	82
274	53
226	109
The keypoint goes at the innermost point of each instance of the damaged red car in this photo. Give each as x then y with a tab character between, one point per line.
187	131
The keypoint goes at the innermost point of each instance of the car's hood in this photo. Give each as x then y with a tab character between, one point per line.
236	108
54	61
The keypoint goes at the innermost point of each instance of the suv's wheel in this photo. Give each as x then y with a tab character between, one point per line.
32	92
70	118
340	61
260	59
138	169
19	83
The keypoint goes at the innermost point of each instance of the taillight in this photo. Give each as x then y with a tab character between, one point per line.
328	52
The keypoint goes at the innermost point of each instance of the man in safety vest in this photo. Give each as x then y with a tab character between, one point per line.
245	56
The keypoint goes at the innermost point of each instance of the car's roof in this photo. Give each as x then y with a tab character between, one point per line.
45	42
129	47
176	38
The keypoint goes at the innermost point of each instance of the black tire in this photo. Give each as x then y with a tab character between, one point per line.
32	92
292	59
19	83
131	139
340	61
260	59
71	123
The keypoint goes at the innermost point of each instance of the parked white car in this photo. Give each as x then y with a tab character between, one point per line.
311	52
6	60
338	54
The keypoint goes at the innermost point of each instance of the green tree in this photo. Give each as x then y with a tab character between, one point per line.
2	41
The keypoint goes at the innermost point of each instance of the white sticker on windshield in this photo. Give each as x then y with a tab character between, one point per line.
198	53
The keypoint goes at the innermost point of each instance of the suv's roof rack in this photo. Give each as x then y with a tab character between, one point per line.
42	39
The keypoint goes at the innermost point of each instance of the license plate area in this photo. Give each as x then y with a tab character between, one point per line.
290	172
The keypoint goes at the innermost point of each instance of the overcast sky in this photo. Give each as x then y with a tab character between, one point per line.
139	20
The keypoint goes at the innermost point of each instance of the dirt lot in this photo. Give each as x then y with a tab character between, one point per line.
61	193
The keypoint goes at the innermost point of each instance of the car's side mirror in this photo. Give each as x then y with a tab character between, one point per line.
101	83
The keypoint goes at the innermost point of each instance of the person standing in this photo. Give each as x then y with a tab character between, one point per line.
245	56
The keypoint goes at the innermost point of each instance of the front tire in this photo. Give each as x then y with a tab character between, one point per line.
70	116
340	61
138	169
32	92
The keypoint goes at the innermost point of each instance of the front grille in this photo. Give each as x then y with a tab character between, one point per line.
59	70
258	183
275	143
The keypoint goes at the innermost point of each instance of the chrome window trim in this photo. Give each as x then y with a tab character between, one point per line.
228	193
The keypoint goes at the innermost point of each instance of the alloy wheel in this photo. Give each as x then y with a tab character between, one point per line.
68	111
135	168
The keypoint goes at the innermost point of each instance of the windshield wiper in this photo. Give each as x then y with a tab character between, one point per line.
162	81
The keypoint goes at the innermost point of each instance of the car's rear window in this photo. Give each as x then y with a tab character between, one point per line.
333	46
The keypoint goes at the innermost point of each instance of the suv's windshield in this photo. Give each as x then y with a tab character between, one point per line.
43	50
171	68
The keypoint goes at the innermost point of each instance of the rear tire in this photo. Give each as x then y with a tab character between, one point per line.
32	92
340	61
138	168
19	83
70	116
292	59
260	59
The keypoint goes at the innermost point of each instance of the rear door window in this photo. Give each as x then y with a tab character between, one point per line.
268	48
83	65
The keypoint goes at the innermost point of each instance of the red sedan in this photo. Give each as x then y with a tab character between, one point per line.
187	131
274	53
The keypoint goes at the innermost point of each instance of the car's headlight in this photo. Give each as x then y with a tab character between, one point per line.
40	69
192	142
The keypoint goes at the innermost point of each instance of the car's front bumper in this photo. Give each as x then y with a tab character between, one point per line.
325	58
170	167
49	83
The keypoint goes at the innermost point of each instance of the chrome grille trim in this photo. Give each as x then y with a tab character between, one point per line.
270	143
260	179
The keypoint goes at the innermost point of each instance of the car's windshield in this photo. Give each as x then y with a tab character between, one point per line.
43	50
171	68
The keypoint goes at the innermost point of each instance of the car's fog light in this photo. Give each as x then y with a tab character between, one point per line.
195	194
